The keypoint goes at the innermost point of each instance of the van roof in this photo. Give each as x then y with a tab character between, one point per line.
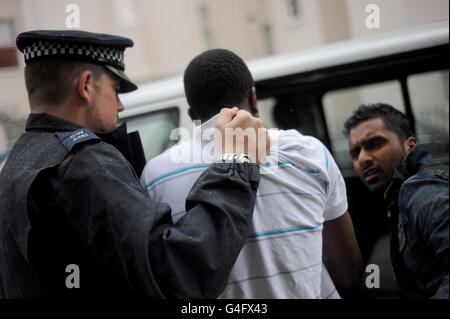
340	53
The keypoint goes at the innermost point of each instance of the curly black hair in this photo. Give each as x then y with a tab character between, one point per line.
393	119
215	79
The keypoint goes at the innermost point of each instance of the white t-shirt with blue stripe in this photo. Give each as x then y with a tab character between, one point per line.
283	255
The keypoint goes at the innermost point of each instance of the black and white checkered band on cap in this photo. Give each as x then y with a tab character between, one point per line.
104	49
97	54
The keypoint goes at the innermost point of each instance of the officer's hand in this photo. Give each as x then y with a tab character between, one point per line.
240	132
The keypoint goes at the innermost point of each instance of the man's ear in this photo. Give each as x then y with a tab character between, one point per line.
191	115
410	143
85	86
253	103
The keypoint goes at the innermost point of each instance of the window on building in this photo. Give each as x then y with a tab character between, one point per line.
268	40
293	10
8	55
205	26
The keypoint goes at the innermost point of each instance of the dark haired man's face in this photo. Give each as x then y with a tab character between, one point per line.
376	152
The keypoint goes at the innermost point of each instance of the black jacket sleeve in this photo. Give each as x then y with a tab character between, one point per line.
133	238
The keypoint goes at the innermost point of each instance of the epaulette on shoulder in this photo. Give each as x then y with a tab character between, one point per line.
72	138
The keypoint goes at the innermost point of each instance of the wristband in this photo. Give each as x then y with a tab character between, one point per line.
233	158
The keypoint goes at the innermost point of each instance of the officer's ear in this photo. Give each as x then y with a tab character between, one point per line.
86	86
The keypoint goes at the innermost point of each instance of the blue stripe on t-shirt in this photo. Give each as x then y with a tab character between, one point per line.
326	155
283	231
309	171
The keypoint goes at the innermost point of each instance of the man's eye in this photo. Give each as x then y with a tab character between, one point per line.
354	154
375	144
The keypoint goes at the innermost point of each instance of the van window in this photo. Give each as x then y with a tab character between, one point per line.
339	105
154	129
429	100
9	134
298	111
265	110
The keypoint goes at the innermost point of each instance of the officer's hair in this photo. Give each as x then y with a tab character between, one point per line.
393	119
49	82
215	79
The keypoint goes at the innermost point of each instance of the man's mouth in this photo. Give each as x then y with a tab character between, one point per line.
371	175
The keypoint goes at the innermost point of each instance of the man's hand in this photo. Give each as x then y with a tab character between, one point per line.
242	133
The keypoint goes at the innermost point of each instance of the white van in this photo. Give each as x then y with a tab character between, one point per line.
316	90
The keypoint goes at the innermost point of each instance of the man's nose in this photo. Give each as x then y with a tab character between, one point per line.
120	106
364	158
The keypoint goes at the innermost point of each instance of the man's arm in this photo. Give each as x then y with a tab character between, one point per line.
341	254
132	237
219	209
424	200
203	245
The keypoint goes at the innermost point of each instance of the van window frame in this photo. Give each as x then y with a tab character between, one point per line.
317	83
152	113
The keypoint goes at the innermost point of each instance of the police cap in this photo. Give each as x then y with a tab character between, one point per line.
104	49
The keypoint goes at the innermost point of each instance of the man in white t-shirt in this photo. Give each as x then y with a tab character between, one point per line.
300	201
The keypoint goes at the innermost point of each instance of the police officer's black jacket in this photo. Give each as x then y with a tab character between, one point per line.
68	198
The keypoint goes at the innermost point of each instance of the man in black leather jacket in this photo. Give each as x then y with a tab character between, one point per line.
68	200
387	158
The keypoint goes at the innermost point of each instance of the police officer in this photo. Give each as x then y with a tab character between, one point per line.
69	201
